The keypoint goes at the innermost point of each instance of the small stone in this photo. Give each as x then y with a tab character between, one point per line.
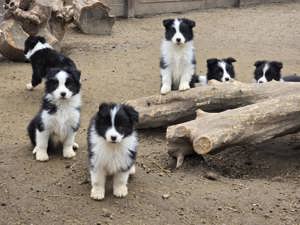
211	176
166	196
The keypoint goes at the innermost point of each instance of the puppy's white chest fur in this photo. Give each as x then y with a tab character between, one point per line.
178	58
111	158
66	118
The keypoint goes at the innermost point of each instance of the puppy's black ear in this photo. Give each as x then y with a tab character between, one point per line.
259	63
74	72
41	39
277	64
51	72
212	61
103	109
230	60
168	22
132	113
189	22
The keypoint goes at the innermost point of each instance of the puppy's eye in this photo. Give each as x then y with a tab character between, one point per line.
69	83
52	82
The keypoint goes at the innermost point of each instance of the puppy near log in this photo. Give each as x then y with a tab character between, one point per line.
251	124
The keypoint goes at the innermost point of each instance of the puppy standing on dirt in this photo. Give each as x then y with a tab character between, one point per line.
112	146
177	62
42	57
59	117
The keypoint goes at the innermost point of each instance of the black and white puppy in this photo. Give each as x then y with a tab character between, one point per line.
42	57
59	117
112	146
220	69
177	62
266	71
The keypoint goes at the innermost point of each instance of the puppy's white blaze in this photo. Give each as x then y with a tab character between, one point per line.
222	64
62	77
39	46
177	34
263	79
112	131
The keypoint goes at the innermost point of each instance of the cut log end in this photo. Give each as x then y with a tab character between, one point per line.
202	145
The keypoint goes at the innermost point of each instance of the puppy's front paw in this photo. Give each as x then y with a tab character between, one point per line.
97	193
165	89
184	86
68	152
40	154
29	87
120	191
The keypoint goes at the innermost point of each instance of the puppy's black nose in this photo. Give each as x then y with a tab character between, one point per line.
227	79
63	94
260	82
178	40
113	138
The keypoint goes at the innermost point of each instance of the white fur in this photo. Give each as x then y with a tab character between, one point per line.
109	159
112	132
178	35
263	79
39	46
179	69
226	77
59	126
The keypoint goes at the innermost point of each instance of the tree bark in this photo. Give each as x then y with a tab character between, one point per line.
251	124
176	107
92	17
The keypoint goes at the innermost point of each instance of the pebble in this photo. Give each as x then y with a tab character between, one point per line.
166	196
211	176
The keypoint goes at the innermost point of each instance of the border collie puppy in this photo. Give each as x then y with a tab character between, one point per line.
112	147
220	69
42	57
177	62
266	71
59	117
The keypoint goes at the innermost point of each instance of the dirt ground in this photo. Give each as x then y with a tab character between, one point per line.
255	184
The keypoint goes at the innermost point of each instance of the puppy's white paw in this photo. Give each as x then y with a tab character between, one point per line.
29	87
132	170
40	154
68	152
75	146
165	89
120	191
184	86
97	193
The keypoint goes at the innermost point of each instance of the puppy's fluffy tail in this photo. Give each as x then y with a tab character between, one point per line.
292	78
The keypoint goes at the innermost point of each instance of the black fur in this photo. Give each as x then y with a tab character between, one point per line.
44	59
215	72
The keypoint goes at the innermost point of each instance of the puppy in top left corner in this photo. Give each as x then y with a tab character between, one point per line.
43	57
112	147
56	123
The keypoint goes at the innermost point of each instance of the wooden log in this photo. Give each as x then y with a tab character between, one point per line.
28	17
92	17
247	125
176	107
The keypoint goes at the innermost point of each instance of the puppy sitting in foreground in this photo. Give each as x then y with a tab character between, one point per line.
112	147
59	117
177	62
266	71
43	57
